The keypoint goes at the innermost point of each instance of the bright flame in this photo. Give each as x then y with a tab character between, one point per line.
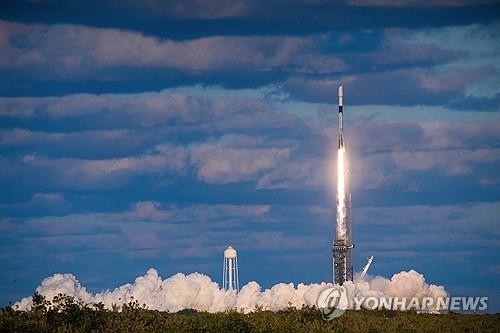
341	209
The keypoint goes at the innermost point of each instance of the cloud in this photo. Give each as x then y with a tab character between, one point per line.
38	204
420	135
173	224
372	51
495	269
450	148
148	229
221	164
246	140
167	230
144	211
399	47
299	173
421	3
111	157
457	162
412	136
112	55
92	143
78	49
193	9
176	112
213	162
420	229
152	108
86	173
194	18
405	149
472	103
402	87
154	211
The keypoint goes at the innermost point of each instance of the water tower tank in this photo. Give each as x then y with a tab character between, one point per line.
230	253
230	280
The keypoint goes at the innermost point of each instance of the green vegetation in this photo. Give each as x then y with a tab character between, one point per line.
66	315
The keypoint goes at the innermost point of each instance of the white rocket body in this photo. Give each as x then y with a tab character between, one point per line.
341	117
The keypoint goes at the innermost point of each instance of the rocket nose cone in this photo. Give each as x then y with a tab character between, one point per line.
341	91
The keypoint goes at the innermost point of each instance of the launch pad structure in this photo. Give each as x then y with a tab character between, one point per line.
342	252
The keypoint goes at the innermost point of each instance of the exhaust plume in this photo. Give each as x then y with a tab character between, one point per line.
197	291
341	208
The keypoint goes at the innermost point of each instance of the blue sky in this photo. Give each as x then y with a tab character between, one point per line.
137	134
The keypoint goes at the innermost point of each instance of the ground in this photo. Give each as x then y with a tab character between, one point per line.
70	317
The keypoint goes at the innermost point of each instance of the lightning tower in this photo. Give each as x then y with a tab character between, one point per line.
342	244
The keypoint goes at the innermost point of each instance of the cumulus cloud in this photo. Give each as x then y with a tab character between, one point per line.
197	291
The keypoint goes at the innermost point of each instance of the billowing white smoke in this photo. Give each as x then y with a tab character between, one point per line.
199	292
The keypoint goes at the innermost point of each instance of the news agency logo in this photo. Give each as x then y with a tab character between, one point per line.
332	302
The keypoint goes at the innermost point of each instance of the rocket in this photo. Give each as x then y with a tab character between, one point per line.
341	117
342	244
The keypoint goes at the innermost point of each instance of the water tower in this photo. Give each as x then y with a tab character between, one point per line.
230	273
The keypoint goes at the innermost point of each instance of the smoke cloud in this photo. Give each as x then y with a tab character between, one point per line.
199	292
